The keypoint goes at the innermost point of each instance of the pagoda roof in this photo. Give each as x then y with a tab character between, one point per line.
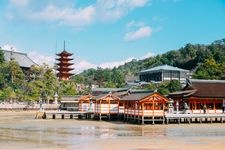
67	69
64	53
64	59
64	64
64	74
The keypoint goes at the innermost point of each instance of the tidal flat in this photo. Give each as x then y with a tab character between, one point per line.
20	131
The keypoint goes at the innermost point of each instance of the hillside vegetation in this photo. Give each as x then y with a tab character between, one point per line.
205	61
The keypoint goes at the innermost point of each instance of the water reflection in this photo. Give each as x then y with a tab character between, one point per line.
69	133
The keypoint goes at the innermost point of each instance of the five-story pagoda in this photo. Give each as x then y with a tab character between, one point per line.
64	65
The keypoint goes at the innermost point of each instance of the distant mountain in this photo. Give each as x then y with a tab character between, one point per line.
205	61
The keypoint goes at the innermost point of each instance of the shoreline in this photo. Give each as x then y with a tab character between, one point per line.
24	107
29	133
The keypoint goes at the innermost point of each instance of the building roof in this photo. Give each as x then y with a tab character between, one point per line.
207	88
164	67
64	53
202	89
104	96
97	91
22	58
135	96
139	96
109	89
69	98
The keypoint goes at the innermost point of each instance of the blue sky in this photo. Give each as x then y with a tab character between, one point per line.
107	33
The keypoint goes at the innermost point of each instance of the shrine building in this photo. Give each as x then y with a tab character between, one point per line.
163	73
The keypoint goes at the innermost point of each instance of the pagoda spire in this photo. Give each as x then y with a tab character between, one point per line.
64	64
64	45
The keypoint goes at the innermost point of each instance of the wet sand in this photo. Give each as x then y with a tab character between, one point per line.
20	131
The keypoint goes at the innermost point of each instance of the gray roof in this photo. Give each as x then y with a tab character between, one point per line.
135	96
102	96
22	58
109	89
70	98
164	67
205	81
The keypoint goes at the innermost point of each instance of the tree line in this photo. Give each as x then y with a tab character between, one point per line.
204	61
29	85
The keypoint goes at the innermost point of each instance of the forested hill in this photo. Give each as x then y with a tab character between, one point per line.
188	57
206	61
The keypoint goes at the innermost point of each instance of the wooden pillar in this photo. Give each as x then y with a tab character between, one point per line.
118	108
142	116
138	107
100	110
153	111
163	112
195	105
109	109
81	105
124	114
214	106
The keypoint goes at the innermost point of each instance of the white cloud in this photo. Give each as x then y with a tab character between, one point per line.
110	10
19	3
140	33
115	63
133	24
70	14
80	64
149	54
9	47
40	58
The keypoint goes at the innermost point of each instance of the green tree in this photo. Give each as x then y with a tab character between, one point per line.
67	88
16	74
174	85
118	78
50	83
208	70
99	76
2	59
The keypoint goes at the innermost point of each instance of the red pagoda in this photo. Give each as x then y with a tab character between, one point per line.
64	65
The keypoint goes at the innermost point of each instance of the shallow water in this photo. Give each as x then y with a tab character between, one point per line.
19	130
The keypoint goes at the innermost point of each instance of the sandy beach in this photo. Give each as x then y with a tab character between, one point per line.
19	130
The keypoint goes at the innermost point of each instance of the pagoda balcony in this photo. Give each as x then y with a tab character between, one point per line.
64	74
64	69
64	59
64	64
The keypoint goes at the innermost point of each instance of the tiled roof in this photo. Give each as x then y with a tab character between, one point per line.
202	89
135	96
70	98
97	91
103	96
109	89
164	67
22	58
207	88
65	53
182	93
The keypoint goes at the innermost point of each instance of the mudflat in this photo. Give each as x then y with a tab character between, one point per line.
20	131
